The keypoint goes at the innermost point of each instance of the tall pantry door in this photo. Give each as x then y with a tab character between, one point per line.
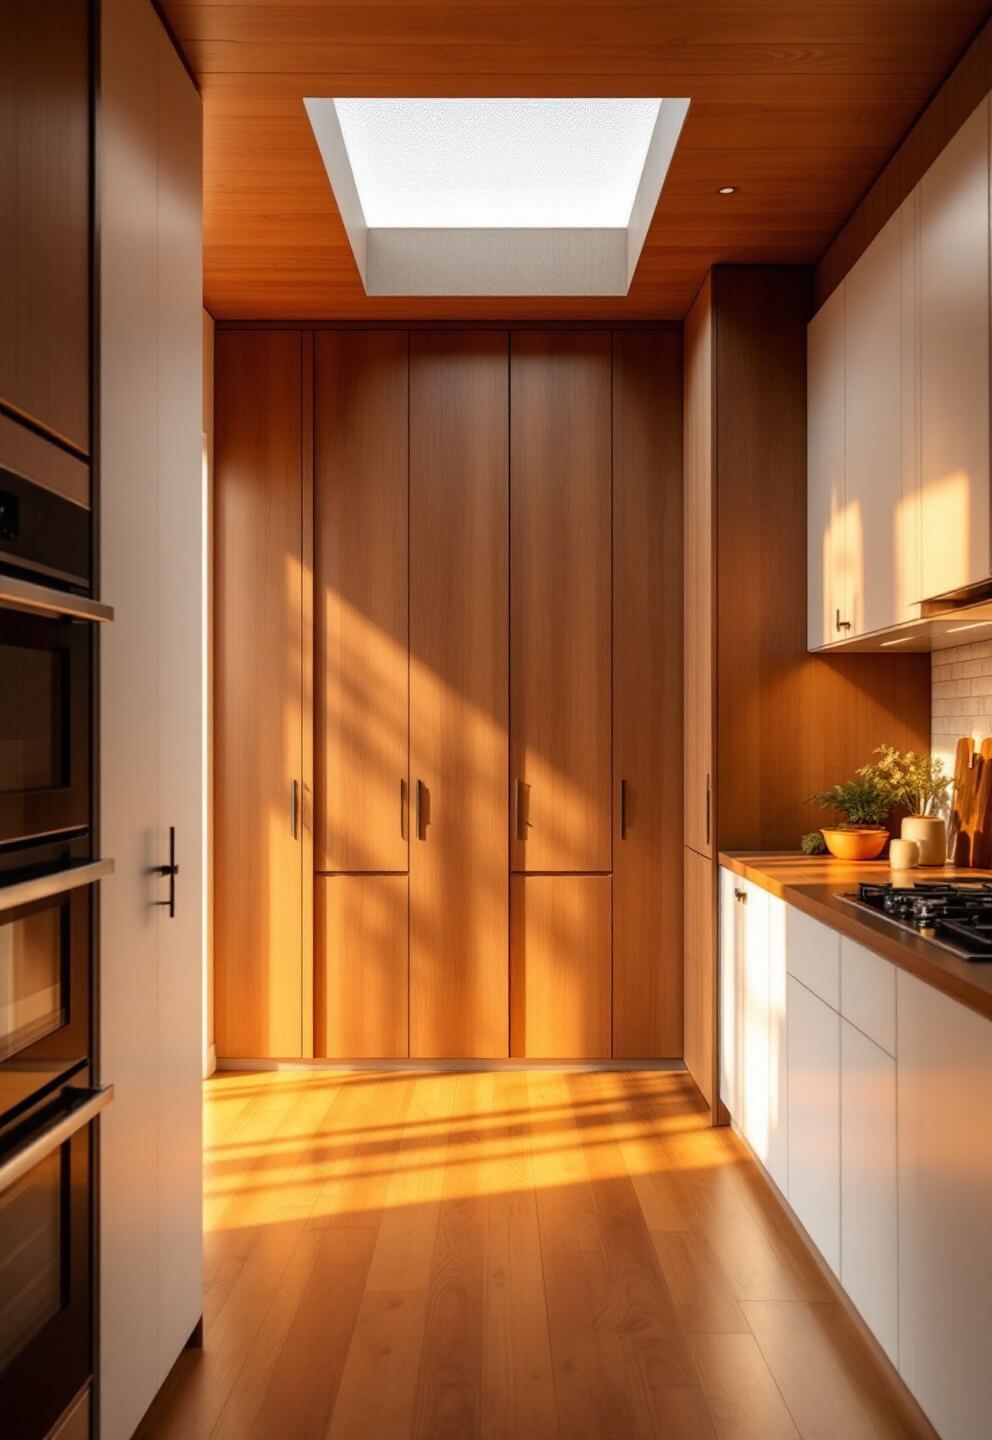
459	586
259	808
152	711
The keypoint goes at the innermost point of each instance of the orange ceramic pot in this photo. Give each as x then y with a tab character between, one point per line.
860	842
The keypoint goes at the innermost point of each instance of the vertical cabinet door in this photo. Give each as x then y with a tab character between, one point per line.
698	576
869	1208
560	966
647	695
699	916
361	949
258	719
754	991
945	1178
881	532
459	585
360	597
814	1118
826	551
777	1150
954	359
560	602
733	963
45	249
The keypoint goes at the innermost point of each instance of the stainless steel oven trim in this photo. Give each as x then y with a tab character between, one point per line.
44	600
58	882
23	1161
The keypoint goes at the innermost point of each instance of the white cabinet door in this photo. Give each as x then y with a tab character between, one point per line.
881	500
827	600
754	1100
731	1047
954	359
814	1118
945	1218
777	1157
869	1210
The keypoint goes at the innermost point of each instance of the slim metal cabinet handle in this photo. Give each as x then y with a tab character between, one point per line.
294	808
842	624
709	807
402	809
171	870
422	813
521	809
623	809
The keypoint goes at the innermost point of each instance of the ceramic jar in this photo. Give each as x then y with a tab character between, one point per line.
930	834
904	854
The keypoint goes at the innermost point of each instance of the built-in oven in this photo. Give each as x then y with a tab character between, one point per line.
46	1265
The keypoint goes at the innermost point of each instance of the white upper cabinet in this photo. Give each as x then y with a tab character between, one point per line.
954	359
827	546
881	481
898	412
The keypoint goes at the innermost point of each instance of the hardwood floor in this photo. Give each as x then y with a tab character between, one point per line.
505	1254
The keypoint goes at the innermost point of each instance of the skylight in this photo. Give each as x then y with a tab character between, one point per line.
492	164
496	196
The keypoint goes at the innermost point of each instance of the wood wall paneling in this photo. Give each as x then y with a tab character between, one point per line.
459	516
560	600
560	967
700	972
362	966
361	582
258	722
45	249
698	681
647	694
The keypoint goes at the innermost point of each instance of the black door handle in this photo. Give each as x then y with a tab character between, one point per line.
171	870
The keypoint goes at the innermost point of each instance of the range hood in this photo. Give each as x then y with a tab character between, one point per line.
956	618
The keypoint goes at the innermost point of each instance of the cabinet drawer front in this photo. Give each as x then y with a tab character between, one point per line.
812	955
868	993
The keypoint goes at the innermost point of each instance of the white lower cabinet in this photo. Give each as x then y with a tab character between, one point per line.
730	1007
869	1205
754	1070
813	1072
777	1156
945	1214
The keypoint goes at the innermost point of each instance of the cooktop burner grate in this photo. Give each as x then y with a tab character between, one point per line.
954	915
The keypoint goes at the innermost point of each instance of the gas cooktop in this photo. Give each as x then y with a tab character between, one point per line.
957	917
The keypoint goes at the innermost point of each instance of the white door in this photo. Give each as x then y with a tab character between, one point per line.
814	1118
151	751
827	604
954	359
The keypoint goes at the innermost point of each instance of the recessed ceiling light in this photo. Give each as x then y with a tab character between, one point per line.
496	196
727	190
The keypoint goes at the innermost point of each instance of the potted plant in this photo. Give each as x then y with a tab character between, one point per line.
918	783
865	803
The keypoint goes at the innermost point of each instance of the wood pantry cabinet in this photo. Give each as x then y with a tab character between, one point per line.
496	598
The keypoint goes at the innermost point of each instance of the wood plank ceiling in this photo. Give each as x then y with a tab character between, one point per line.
796	102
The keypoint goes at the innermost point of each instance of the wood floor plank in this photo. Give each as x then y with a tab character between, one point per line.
510	1256
743	1399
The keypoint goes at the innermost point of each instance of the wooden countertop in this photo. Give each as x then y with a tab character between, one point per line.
812	884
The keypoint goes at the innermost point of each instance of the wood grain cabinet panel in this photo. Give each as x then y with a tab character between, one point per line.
560	602
459	517
45	249
647	694
360	600
698	542
954	359
699	943
560	966
258	722
361	949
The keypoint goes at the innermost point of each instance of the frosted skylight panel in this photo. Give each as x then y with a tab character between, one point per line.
497	164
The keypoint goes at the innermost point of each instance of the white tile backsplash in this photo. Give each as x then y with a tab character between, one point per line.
961	701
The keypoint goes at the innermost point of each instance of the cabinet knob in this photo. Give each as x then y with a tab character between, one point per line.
842	624
741	895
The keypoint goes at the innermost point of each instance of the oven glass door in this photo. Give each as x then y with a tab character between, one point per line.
45	1276
44	726
44	987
